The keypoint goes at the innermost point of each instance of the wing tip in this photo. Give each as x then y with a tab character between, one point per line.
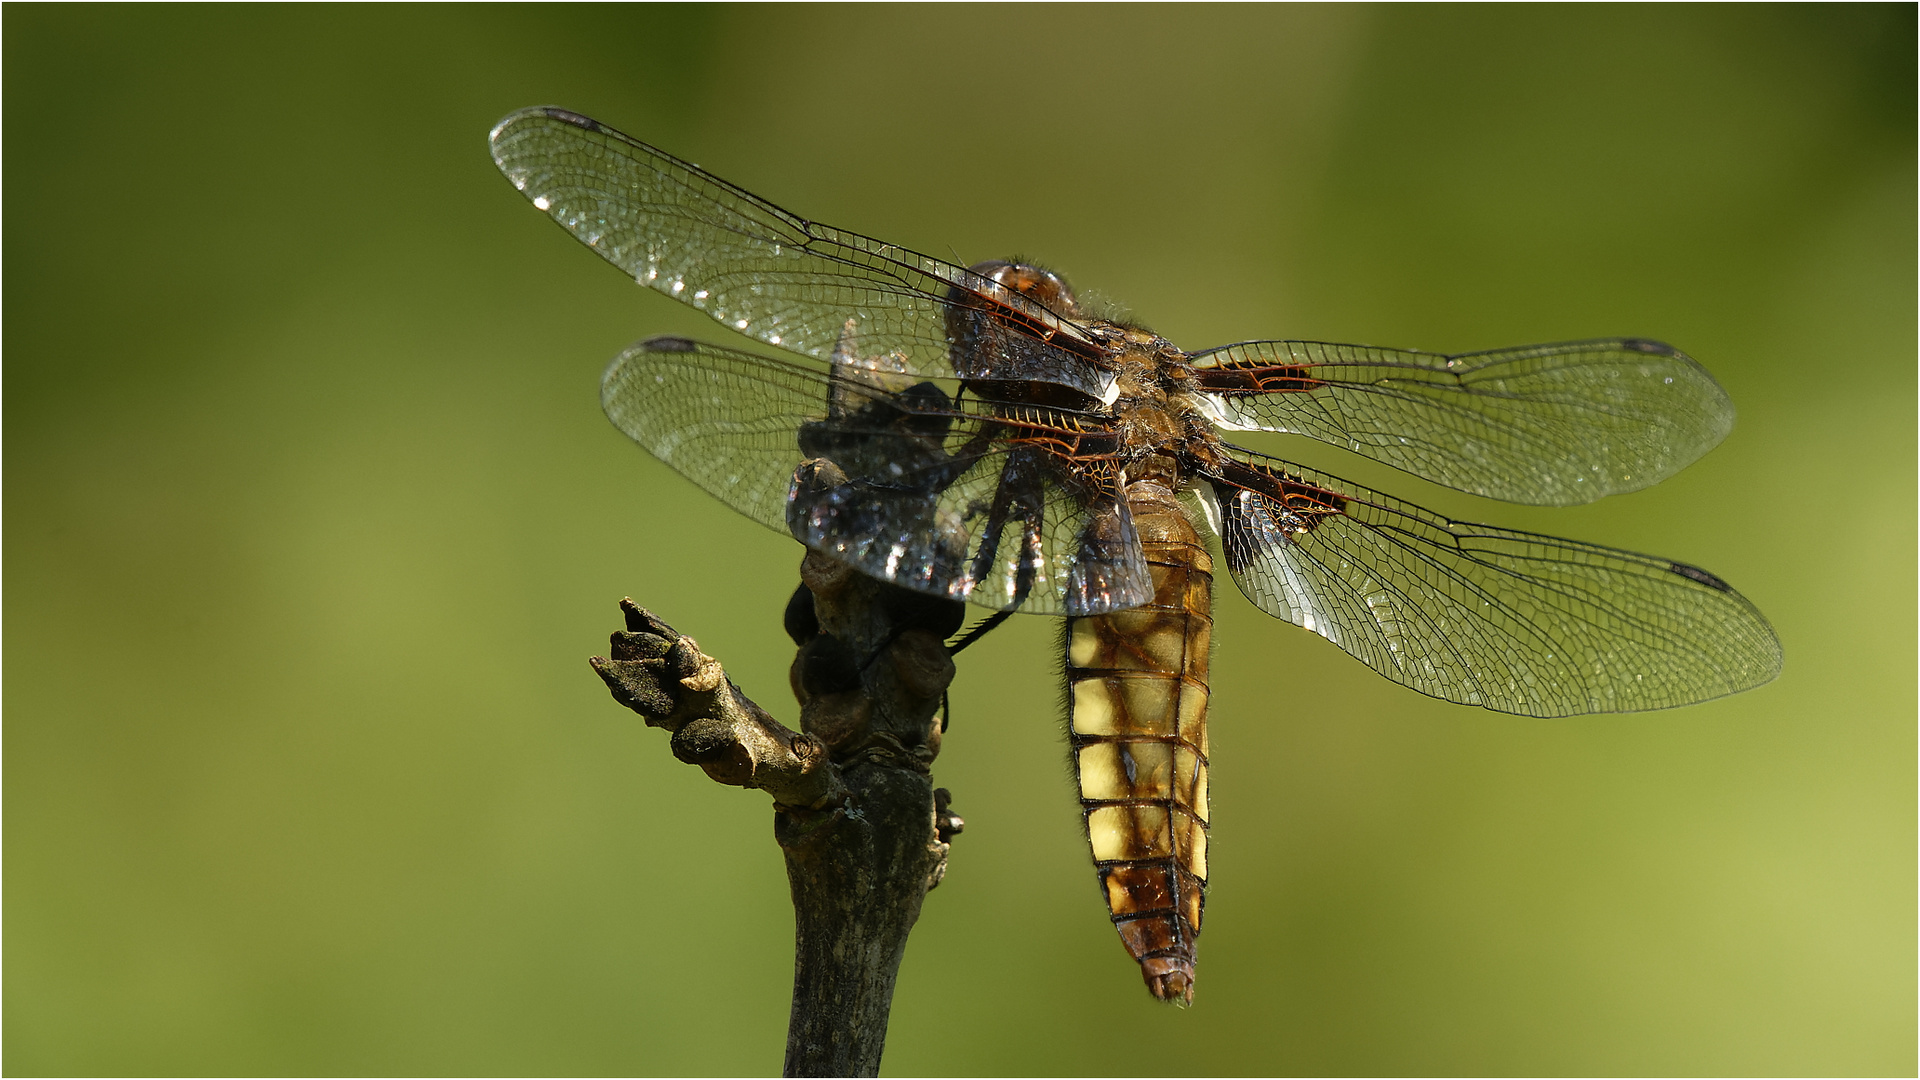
619	372
667	343
1651	347
543	112
1704	577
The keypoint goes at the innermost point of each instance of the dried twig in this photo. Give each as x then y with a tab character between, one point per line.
864	831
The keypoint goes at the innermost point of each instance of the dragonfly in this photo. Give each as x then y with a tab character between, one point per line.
973	433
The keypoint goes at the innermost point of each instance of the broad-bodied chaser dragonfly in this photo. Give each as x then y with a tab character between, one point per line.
974	434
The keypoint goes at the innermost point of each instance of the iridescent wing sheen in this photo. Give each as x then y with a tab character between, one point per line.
1552	425
774	275
1513	621
901	477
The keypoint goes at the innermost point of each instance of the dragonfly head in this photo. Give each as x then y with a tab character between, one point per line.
1040	285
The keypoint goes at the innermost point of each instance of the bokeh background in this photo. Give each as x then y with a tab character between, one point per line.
312	520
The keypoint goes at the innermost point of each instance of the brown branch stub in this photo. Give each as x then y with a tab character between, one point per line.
662	675
863	829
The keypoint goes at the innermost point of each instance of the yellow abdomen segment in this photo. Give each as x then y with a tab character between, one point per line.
1137	686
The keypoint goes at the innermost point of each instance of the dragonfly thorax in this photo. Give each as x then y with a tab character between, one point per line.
1164	429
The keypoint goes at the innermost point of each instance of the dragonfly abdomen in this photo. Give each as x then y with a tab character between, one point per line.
1137	700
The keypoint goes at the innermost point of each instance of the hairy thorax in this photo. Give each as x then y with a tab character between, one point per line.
1164	430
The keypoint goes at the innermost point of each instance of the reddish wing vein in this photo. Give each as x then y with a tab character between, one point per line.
1550	425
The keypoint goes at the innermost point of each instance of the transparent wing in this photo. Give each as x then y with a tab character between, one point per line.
892	474
1513	621
1551	425
776	276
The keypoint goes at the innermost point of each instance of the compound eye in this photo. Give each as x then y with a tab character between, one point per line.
1042	286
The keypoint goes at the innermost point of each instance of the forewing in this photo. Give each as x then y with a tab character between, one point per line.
894	477
771	274
1551	425
1513	621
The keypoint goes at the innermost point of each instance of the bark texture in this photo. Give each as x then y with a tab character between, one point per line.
863	829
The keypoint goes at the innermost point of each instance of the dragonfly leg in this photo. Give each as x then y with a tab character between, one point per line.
979	631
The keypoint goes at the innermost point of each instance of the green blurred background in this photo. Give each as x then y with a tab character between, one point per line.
312	520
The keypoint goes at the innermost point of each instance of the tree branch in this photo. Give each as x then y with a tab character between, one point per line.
864	831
